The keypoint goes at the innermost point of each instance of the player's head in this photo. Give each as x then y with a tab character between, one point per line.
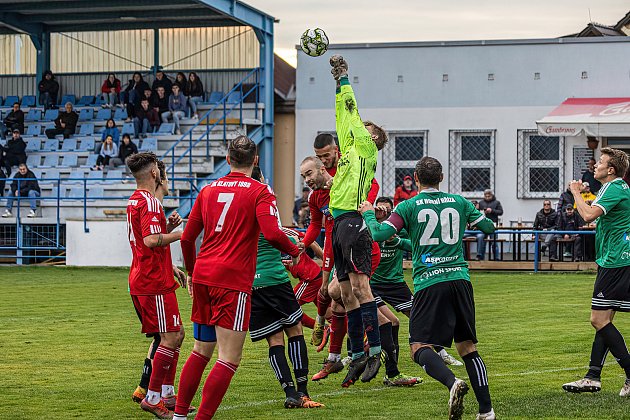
326	150
242	154
386	203
144	167
613	163
378	134
313	172
162	182
428	172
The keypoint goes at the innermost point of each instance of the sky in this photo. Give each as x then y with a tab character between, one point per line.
348	21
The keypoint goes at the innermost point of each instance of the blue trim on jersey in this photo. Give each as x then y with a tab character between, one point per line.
205	333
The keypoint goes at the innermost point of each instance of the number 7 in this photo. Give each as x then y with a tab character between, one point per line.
227	199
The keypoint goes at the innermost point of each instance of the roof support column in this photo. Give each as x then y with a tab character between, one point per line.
265	39
156	50
41	41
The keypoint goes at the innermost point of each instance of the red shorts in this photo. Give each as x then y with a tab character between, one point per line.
376	257
229	309
158	313
329	259
306	291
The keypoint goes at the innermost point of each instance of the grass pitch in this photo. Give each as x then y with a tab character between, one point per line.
71	348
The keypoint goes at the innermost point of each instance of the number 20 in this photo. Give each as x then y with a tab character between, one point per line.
449	223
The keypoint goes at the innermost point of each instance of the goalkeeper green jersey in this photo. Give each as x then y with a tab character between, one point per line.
390	269
357	164
612	235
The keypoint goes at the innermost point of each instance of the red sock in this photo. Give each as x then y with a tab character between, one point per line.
161	365
215	388
323	302
169	379
338	330
308	322
189	381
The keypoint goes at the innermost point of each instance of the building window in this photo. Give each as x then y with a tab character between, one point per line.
471	161
540	165
404	149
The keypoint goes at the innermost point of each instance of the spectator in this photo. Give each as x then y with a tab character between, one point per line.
161	80
586	194
547	219
108	151
65	123
28	187
298	204
146	120
160	102
304	215
589	176
14	120
194	91
405	191
570	220
126	149
492	209
110	90
134	93
180	80
111	130
566	199
3	181
13	153
48	90
176	108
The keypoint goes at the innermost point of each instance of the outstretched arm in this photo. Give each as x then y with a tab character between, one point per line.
380	231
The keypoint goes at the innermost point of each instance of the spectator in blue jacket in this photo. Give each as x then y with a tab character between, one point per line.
110	130
176	108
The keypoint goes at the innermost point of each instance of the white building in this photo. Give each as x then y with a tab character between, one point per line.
474	106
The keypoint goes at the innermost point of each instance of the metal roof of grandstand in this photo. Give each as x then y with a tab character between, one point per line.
38	16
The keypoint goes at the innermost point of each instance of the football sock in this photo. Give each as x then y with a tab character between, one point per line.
434	366
334	357
355	333
280	366
189	381
338	329
348	346
614	340
169	379
216	386
478	380
599	351
395	330
391	367
299	359
146	374
323	302
307	321
369	315
161	364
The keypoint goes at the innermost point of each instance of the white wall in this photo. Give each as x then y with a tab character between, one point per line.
106	244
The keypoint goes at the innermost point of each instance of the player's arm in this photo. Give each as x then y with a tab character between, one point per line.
315	228
478	220
404	244
152	235
380	231
373	193
162	239
191	232
349	121
317	250
591	212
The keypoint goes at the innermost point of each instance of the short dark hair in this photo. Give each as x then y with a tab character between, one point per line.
617	159
140	161
324	139
429	171
384	200
162	169
381	135
242	152
126	135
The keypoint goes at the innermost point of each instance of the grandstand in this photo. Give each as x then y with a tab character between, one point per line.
237	101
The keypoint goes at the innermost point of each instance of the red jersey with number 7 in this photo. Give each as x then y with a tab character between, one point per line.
232	211
151	270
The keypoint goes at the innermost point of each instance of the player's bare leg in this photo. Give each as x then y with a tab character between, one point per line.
338	327
141	389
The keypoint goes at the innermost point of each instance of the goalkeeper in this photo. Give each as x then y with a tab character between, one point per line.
359	144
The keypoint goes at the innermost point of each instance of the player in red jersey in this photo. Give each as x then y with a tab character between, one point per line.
232	211
151	282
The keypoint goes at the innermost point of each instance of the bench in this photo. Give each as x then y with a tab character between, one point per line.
115	213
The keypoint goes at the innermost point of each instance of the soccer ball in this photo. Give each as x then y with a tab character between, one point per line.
314	42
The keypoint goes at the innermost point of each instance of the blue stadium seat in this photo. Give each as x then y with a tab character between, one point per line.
76	192
128	129
33	114
50	161
86	100
50	176
91	161
33	145
215	97
99	100
95	192
28	101
68	98
234	97
149	145
76	176
86	129
120	114
1	100
51	114
96	177
70	160
34	130
86	114
166	128
104	114
87	144
114	176
8	103
33	161
51	145
69	145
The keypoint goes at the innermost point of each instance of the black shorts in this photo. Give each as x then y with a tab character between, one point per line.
273	309
396	294
352	246
612	289
442	313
